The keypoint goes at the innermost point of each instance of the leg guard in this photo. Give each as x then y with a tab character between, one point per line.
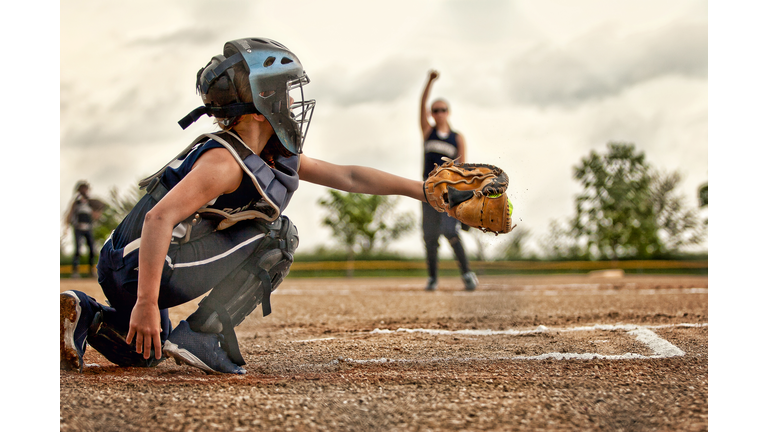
241	292
110	342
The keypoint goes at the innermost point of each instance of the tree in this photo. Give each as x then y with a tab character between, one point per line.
560	243
361	222
514	248
614	211
117	207
704	195
678	225
704	200
626	209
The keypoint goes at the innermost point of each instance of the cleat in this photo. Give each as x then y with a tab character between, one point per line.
431	284
72	332
470	281
200	350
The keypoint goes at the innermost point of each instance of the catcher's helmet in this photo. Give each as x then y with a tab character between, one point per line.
273	71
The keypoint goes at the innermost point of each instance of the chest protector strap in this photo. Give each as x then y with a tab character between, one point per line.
275	185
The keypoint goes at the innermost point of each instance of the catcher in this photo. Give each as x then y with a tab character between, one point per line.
212	221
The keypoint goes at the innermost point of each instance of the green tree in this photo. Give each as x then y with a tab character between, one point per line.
704	199
614	212
117	207
626	210
704	195
678	226
363	222
560	243
514	248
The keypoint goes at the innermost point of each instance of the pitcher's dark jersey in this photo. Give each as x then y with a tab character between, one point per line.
436	147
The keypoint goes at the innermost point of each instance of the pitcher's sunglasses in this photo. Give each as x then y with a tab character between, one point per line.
439	110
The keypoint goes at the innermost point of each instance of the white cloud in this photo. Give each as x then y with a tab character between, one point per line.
533	85
602	63
387	81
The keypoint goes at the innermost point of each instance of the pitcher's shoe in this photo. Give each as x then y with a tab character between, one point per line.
470	281
73	328
431	284
201	350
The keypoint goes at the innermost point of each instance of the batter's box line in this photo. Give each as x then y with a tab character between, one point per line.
660	347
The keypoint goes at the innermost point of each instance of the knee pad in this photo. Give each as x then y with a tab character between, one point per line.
110	342
233	299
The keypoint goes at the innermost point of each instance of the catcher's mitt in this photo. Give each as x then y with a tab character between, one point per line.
475	194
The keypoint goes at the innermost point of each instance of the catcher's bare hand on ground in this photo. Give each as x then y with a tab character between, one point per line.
145	325
475	194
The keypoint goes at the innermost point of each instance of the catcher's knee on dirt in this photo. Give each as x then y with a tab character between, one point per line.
234	298
110	342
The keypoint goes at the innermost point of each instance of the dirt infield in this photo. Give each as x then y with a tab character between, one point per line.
568	352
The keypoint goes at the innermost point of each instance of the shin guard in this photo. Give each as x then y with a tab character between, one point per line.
234	298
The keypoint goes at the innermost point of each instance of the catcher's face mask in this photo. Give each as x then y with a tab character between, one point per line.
277	81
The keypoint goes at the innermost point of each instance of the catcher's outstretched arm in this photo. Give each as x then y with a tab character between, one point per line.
358	179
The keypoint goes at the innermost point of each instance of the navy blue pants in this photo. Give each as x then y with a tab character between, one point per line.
80	236
435	224
191	269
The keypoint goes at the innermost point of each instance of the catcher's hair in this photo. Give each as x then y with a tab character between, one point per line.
222	97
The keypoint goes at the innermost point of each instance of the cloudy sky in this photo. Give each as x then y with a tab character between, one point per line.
533	86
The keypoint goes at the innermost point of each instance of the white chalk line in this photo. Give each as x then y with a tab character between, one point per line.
539	329
660	347
313	340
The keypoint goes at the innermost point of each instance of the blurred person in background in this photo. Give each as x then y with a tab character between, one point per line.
81	216
441	141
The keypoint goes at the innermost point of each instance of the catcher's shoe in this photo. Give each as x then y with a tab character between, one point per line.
431	284
74	317
201	350
110	342
470	281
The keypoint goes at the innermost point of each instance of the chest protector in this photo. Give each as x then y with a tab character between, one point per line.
276	185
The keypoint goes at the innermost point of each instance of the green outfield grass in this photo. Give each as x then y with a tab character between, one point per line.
411	267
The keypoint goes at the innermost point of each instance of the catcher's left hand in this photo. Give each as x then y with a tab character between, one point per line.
475	194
